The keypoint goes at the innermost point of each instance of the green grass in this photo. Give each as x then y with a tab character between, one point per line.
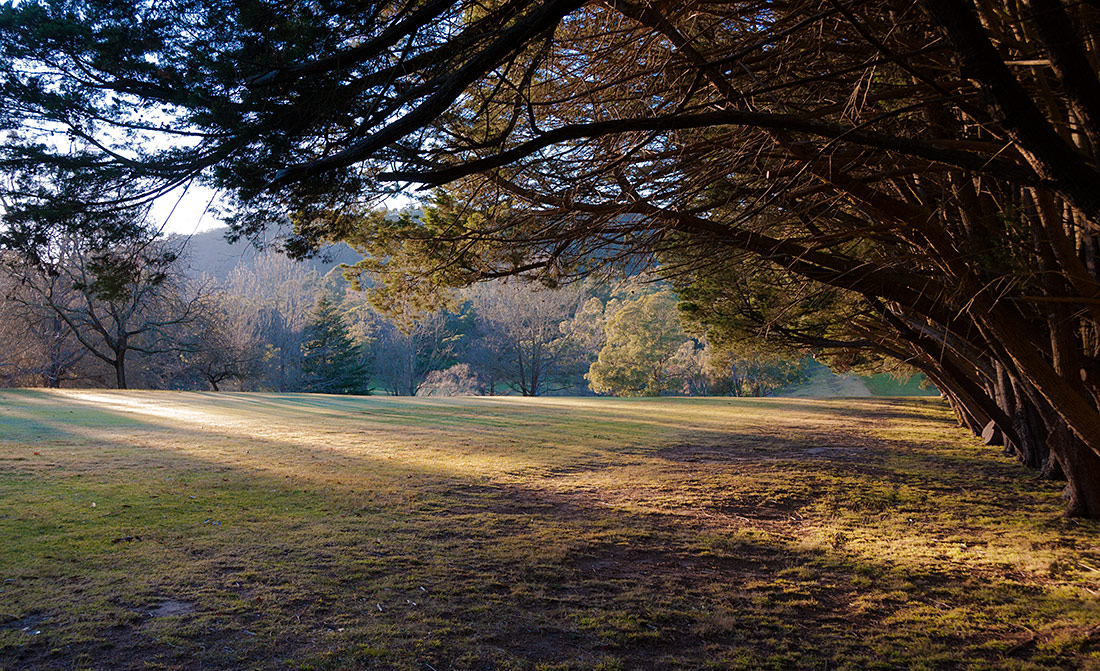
283	531
883	384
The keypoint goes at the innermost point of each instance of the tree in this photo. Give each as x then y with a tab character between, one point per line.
408	353
276	297
903	170
520	329
225	341
331	361
36	346
115	302
643	338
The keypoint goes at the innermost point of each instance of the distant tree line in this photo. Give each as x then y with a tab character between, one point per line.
131	315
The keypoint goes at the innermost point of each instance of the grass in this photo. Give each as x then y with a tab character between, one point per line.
882	384
163	530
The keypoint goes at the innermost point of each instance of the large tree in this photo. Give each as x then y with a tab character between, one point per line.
638	357
921	178
520	336
117	302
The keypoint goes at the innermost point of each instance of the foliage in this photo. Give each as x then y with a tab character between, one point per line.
332	362
642	339
763	375
458	380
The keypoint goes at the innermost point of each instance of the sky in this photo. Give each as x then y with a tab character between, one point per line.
187	211
191	210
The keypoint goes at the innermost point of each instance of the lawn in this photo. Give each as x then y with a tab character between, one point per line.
164	530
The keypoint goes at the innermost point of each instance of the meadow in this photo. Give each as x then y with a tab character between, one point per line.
167	530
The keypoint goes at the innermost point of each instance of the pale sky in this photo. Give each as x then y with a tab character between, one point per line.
194	212
188	214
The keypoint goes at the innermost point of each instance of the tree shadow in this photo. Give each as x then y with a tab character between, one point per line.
716	557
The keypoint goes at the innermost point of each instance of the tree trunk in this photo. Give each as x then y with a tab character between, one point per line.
1028	420
1082	470
120	371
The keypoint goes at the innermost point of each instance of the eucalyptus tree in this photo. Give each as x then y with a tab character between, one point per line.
639	356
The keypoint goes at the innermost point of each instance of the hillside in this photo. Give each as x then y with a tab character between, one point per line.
210	253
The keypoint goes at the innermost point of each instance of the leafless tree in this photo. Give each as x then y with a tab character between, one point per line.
275	296
36	345
403	359
523	335
226	341
115	302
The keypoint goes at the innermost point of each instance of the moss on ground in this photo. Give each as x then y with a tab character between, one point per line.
160	530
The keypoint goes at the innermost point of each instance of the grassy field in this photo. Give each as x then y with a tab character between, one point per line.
161	530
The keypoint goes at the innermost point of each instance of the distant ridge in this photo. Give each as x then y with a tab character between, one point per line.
210	253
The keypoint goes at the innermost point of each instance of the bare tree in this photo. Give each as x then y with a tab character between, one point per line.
522	332
225	341
115	302
404	359
36	345
275	295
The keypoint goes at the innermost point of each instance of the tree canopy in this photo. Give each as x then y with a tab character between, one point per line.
919	179
642	340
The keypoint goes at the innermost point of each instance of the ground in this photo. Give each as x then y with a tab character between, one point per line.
162	530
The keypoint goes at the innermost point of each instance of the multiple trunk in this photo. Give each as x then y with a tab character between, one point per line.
988	283
1003	402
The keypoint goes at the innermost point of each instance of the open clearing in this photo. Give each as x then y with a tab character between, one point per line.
163	530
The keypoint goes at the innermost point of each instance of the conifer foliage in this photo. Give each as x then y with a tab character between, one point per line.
332	362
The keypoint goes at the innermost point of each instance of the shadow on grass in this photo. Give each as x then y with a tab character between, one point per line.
724	561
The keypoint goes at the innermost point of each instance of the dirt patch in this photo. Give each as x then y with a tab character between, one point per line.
848	450
172	607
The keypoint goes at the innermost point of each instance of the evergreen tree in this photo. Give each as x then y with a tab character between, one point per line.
332	361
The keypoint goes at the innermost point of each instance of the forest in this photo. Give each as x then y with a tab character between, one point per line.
269	323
